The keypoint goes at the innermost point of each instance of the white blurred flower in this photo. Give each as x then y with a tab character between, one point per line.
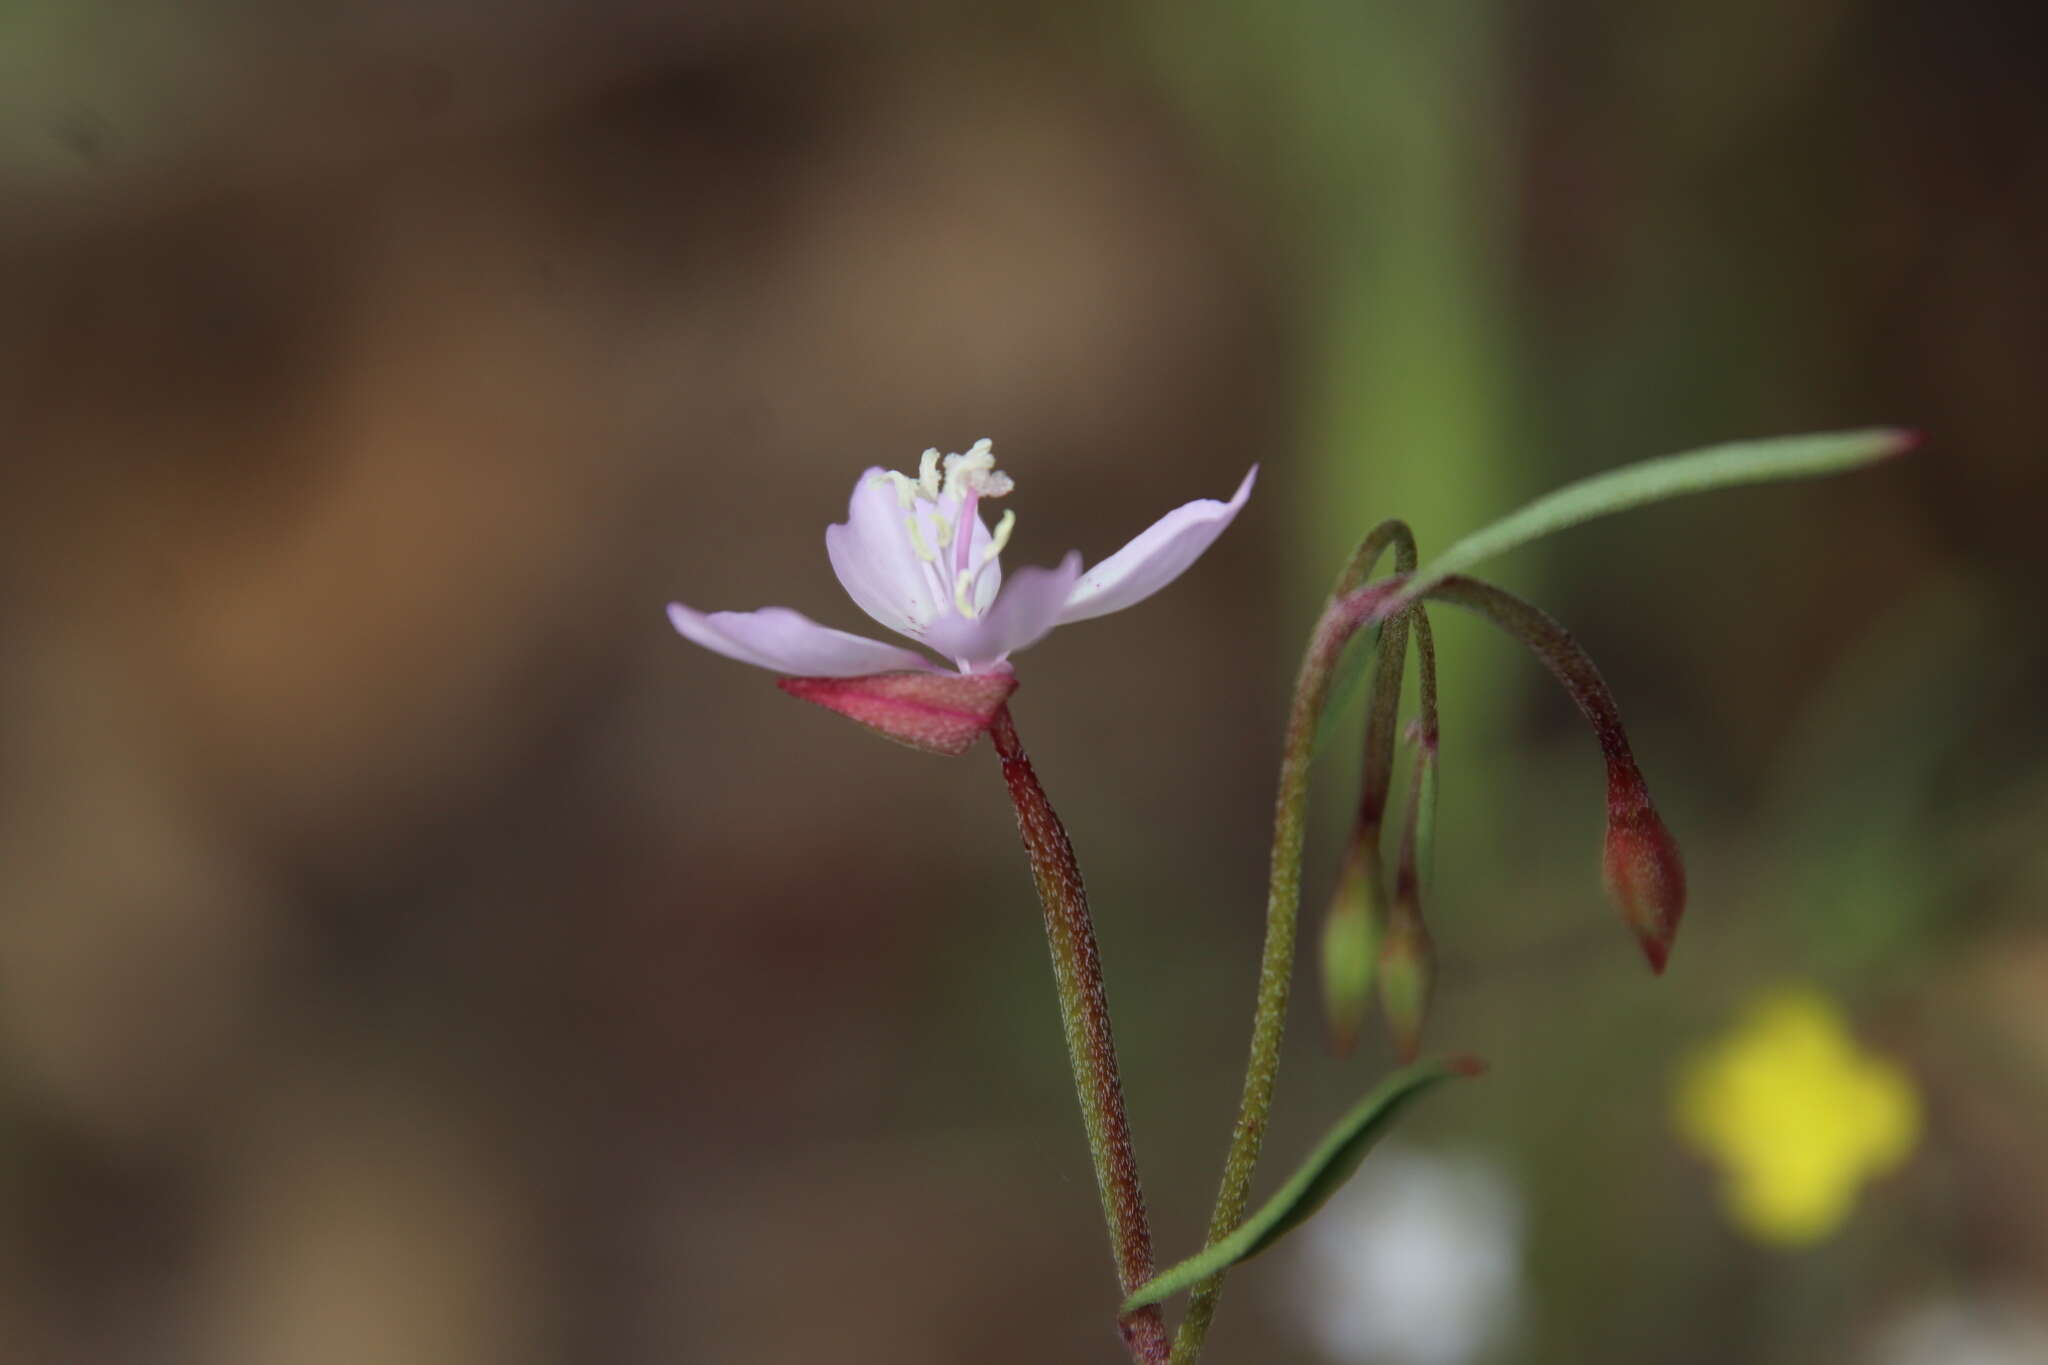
1417	1262
1950	1331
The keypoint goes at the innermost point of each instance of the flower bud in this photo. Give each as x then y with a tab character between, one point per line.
1407	970
1643	871
940	713
1351	942
1407	956
1642	868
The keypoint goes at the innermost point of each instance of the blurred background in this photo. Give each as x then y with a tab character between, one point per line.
411	951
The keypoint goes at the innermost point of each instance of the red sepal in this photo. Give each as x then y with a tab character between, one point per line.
940	713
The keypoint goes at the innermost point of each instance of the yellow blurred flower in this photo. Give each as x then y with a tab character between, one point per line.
1796	1115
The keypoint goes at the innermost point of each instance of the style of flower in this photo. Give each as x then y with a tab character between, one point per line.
1797	1115
915	554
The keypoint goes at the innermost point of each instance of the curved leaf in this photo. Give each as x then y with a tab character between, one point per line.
1669	476
1326	1169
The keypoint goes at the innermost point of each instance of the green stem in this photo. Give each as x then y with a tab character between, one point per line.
1091	1050
1340	620
1383	708
1567	660
1425	660
1391	534
1357	917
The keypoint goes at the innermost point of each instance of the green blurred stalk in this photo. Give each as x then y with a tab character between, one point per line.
1407	411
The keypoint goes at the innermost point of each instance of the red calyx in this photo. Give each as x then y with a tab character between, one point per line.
940	713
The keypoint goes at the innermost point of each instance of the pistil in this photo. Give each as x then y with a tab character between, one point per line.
951	562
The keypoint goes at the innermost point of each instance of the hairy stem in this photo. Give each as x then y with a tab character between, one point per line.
1562	655
1091	1050
1340	620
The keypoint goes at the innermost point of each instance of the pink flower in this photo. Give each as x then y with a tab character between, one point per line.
915	554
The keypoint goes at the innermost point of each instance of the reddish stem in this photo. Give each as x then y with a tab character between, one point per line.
1084	1011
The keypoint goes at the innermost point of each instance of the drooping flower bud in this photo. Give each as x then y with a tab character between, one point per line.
1407	971
1376	772
1643	870
1356	922
1351	945
1407	955
940	713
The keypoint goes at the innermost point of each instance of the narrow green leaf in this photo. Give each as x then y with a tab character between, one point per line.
1326	1169
1670	476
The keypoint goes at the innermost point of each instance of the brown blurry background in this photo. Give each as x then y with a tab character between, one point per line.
410	951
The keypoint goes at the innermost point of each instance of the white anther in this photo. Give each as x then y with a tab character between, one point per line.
976	472
917	541
945	529
928	475
963	583
905	486
996	542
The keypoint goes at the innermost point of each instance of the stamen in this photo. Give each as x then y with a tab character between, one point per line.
905	486
997	541
976	472
967	478
917	542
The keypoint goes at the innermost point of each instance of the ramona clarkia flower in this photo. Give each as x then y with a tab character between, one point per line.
916	554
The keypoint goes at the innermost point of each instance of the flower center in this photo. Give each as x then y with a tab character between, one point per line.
941	514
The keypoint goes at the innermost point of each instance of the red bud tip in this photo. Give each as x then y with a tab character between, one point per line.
940	713
1646	878
1466	1065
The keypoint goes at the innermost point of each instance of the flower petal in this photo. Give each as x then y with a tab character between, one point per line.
871	553
1155	557
790	643
1028	607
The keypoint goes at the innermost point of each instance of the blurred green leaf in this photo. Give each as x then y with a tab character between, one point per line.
1326	1169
